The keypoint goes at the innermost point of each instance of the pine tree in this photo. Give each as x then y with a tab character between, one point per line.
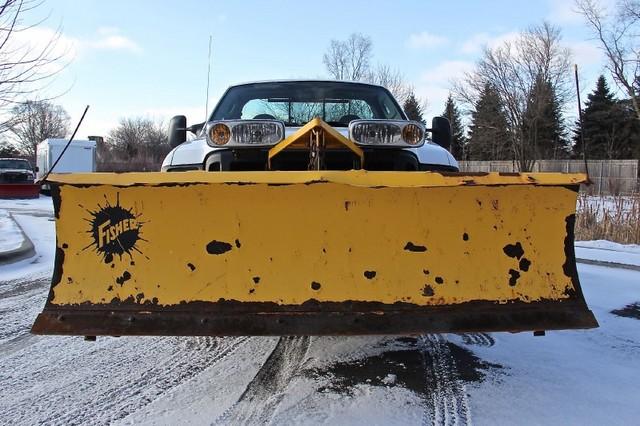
489	137
543	128
413	109
458	139
611	129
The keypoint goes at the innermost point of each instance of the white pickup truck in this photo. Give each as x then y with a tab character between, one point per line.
252	118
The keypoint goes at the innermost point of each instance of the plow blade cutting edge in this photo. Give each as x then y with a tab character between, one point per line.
313	253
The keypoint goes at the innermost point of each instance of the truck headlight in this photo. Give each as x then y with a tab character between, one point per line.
396	133
260	133
239	133
219	134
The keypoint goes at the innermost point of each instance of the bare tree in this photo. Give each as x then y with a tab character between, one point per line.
34	121
349	59
619	36
392	79
24	68
513	69
137	144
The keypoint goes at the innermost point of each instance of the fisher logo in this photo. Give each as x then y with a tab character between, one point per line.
115	230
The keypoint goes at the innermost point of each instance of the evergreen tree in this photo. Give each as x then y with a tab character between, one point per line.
610	130
489	137
413	109
458	139
542	128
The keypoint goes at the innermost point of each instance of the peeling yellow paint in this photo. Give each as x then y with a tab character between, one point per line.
388	237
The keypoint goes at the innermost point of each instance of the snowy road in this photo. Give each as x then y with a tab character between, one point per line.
570	377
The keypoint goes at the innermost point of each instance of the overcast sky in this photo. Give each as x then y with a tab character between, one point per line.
149	58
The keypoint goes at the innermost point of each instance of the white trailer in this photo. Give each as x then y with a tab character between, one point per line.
80	157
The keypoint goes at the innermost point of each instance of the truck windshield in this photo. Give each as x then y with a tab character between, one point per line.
298	102
15	164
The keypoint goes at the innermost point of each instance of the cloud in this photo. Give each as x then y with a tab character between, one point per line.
115	42
435	83
446	71
53	49
563	12
111	39
425	40
479	41
586	52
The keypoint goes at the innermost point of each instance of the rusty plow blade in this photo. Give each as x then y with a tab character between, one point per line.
313	253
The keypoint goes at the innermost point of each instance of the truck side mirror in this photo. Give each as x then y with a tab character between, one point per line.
177	130
441	132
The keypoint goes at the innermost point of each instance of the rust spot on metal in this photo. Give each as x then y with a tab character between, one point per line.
514	250
439	280
465	236
369	274
218	247
256	279
427	291
515	275
126	276
524	264
64	245
191	266
315	285
414	248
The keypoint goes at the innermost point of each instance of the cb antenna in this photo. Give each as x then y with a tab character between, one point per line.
206	104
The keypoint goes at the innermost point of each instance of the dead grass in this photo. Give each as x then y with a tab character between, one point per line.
614	218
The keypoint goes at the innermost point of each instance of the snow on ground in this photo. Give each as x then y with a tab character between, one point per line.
621	205
41	204
608	251
567	377
10	235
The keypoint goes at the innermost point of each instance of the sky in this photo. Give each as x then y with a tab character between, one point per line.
149	58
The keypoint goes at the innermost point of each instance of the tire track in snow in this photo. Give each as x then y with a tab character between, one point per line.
63	380
263	394
446	395
478	339
112	381
196	355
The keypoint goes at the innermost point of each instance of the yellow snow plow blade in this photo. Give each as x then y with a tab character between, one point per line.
313	253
